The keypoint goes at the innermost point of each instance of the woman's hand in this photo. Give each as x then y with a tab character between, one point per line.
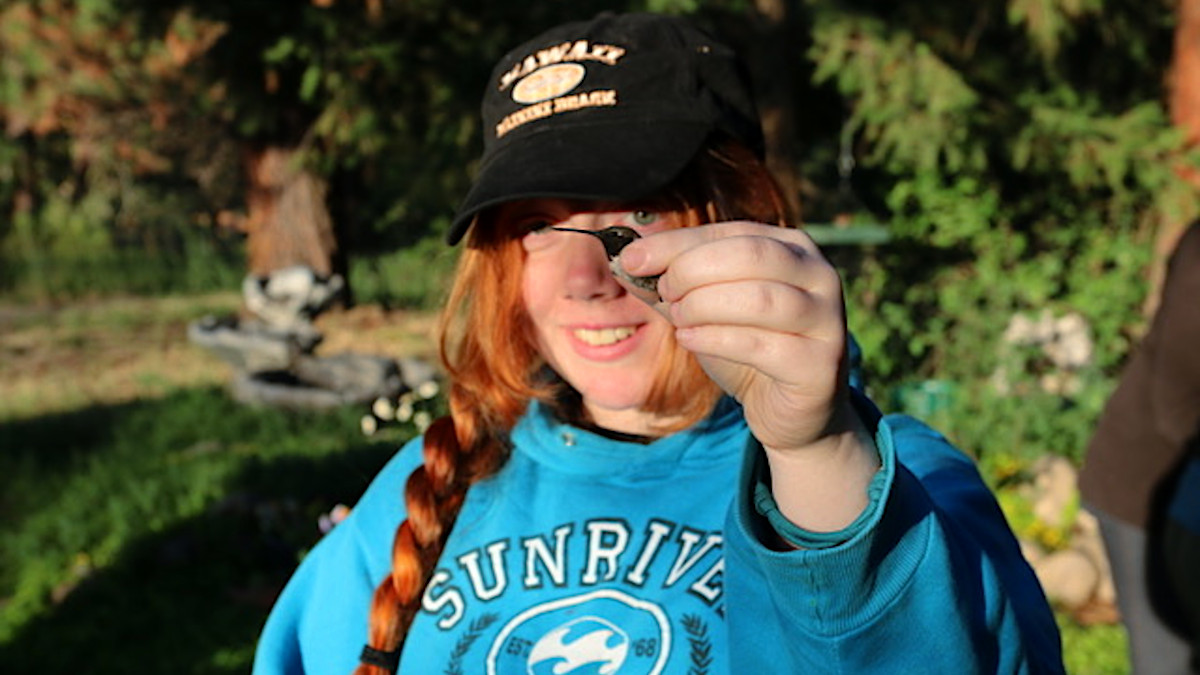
762	310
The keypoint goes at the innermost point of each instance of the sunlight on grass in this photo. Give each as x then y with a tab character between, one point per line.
1094	650
111	351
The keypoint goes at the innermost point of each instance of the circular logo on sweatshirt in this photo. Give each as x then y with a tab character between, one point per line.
549	82
604	632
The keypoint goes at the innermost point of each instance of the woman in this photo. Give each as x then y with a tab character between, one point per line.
677	480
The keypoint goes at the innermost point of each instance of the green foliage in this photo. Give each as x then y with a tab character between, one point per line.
47	261
417	276
906	95
1015	180
103	162
1047	22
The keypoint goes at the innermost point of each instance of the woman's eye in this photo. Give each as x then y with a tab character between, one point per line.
537	227
644	217
535	237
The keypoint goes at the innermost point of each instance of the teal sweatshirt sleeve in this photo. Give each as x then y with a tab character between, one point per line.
319	622
929	579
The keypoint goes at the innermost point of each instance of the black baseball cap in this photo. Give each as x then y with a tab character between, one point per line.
612	108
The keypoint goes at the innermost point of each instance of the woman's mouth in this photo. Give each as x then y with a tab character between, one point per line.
602	337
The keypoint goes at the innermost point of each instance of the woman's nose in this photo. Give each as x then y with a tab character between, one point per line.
587	272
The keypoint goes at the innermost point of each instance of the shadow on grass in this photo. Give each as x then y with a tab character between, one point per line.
190	597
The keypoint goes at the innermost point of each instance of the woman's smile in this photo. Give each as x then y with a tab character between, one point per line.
603	337
606	343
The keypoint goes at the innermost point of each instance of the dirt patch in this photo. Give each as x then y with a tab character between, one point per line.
100	352
371	329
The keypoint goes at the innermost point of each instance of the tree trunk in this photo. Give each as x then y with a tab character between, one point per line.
288	221
1184	103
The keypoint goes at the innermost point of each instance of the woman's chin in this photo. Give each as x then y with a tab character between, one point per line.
620	412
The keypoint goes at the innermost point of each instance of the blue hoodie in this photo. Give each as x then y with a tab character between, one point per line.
585	554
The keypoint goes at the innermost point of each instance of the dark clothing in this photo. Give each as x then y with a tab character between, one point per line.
1154	647
1181	553
1134	476
1155	410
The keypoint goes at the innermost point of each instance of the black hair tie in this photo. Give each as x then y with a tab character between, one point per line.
389	661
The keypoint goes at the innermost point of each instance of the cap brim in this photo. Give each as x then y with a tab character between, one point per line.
619	161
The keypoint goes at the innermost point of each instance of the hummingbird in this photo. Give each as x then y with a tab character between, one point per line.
615	238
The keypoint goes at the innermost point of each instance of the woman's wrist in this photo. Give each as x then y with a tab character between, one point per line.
822	487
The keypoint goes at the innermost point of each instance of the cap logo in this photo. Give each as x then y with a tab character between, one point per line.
580	50
548	82
543	80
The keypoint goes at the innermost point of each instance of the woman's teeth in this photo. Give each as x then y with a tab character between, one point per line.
604	336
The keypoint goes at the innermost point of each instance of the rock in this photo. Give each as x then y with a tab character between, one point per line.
1031	551
1062	383
359	378
273	355
1086	538
248	346
1053	489
321	382
415	372
280	389
1022	330
1065	341
1068	577
288	298
1070	346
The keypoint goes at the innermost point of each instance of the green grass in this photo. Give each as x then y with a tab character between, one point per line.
1094	650
152	536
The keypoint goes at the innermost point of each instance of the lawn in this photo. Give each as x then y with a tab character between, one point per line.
149	520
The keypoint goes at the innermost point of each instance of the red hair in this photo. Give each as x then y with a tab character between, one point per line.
489	352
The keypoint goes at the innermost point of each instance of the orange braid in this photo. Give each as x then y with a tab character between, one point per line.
490	355
490	372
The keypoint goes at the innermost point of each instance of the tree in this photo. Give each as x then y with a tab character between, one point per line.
87	104
1184	105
